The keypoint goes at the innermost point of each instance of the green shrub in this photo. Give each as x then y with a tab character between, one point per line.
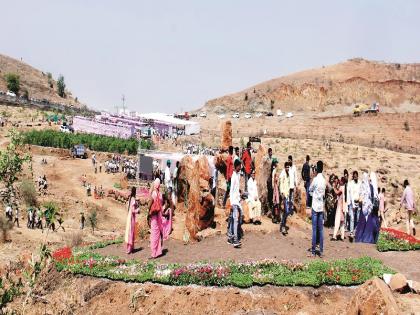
61	86
56	139
13	82
28	192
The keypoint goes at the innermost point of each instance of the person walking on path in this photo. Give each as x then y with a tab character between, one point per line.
341	210
382	208
229	172
269	161
276	192
353	196
155	214
407	201
16	220
130	228
284	193
317	190
306	177
293	183
235	217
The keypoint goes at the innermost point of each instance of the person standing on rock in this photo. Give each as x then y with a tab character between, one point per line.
229	172
317	190
306	177
407	201
293	183
235	216
247	162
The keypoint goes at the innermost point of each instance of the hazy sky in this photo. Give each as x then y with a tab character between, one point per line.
175	55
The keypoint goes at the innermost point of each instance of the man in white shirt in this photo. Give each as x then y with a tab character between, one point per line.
353	196
235	217
317	190
175	182
254	204
168	177
293	183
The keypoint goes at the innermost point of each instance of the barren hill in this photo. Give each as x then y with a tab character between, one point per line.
37	83
353	81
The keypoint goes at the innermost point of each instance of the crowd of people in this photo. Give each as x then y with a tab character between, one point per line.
352	208
348	206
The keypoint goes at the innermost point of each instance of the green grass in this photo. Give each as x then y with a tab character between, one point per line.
315	273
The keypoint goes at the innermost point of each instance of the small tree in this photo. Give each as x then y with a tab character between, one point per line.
93	220
11	164
61	86
28	193
13	82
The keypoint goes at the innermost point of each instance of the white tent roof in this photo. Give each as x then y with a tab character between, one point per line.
166	119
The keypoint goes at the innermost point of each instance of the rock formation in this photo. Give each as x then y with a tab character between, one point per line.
226	135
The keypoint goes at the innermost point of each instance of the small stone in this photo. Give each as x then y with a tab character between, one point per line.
398	282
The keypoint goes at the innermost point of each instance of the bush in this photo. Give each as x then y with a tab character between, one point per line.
61	86
13	82
93	220
406	126
75	239
28	192
56	139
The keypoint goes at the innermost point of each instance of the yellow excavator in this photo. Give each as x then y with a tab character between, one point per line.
362	108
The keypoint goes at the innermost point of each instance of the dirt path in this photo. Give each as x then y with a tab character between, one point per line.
257	246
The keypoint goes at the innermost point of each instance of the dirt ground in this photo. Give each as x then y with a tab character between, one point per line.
66	294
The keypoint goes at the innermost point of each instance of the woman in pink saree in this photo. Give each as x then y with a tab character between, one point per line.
130	228
155	215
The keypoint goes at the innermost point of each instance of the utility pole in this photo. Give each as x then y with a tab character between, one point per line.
123	103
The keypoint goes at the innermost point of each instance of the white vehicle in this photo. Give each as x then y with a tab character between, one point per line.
9	93
289	115
64	129
203	114
235	115
248	115
279	112
221	116
258	115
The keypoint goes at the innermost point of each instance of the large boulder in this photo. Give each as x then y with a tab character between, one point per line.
373	297
262	173
200	203
226	135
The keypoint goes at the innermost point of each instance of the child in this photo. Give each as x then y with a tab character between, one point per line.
382	207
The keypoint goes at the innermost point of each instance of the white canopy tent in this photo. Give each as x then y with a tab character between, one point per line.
191	127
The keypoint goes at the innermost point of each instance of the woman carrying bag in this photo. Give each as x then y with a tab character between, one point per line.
155	219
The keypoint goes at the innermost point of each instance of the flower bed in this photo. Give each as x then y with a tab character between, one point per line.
394	240
314	273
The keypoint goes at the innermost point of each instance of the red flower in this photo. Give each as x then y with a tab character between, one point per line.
62	253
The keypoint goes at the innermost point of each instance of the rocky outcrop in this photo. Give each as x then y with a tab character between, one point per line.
226	135
373	297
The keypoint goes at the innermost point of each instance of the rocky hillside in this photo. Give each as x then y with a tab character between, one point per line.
353	81
36	82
